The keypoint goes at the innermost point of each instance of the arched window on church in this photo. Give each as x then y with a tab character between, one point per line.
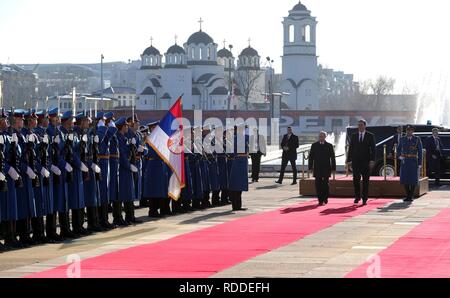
151	61
209	53
201	53
192	54
291	33
306	33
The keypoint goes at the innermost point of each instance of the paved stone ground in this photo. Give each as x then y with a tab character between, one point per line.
332	252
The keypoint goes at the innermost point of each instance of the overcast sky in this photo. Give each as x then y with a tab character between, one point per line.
405	39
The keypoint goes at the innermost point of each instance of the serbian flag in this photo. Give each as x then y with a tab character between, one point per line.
167	140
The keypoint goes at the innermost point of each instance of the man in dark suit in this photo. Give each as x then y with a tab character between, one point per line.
257	150
361	157
435	156
322	162
289	145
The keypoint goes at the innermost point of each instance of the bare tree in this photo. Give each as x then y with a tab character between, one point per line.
380	88
246	79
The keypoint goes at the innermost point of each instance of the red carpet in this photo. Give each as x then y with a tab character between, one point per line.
422	253
208	251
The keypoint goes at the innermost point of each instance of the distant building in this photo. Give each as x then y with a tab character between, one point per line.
83	102
124	96
19	86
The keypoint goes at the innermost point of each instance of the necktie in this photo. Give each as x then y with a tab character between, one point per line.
360	137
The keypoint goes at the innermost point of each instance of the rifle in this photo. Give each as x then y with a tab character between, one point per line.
83	155
3	184
14	161
96	152
30	157
68	155
43	156
133	158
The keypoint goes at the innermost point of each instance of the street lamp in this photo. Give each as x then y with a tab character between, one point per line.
272	99
101	83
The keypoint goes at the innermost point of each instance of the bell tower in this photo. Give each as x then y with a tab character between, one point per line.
300	73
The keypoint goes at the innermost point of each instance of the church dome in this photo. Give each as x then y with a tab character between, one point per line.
299	7
176	49
151	51
249	52
200	37
224	53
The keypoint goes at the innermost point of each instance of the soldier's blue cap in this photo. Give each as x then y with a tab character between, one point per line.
19	113
30	114
53	112
41	114
80	116
109	115
67	115
100	115
121	121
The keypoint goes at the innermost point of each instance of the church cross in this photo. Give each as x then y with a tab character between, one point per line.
200	22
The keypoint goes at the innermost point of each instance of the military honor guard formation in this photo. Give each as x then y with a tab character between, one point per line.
63	176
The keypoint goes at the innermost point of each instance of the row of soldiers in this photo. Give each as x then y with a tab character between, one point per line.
59	170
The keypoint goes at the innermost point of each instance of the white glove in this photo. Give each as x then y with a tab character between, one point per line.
84	168
55	170
401	158
45	173
57	140
13	174
96	168
2	141
85	138
112	124
68	168
70	137
45	139
133	168
133	141
2	177
101	123
14	138
31	174
31	138
96	139
141	149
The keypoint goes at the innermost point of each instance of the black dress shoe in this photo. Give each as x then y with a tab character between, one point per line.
120	223
279	182
357	201
294	183
154	214
408	200
240	209
326	202
364	202
321	204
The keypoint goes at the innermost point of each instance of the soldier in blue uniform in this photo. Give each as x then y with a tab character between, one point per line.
8	200
195	166
204	170
134	133
222	160
187	193
156	179
104	133
37	222
59	187
239	168
127	171
435	156
46	175
26	207
410	153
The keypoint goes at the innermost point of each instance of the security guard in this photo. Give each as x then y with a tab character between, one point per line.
239	169
410	153
156	178
126	171
104	133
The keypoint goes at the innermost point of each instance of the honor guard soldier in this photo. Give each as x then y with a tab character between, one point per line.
87	146
44	158
156	178
222	168
128	171
435	156
138	150
204	170
239	168
104	133
26	208
213	169
8	199
195	165
187	193
410	153
37	222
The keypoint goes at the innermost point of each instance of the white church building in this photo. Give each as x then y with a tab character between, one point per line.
200	71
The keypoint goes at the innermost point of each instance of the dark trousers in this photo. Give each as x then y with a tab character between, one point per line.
322	189
364	173
284	164
410	191
256	165
434	168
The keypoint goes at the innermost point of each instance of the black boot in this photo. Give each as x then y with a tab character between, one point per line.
50	228
205	202
64	225
196	204
117	215
216	198
165	207
176	206
153	208
104	217
37	225
186	206
224	198
92	218
78	225
130	217
10	235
